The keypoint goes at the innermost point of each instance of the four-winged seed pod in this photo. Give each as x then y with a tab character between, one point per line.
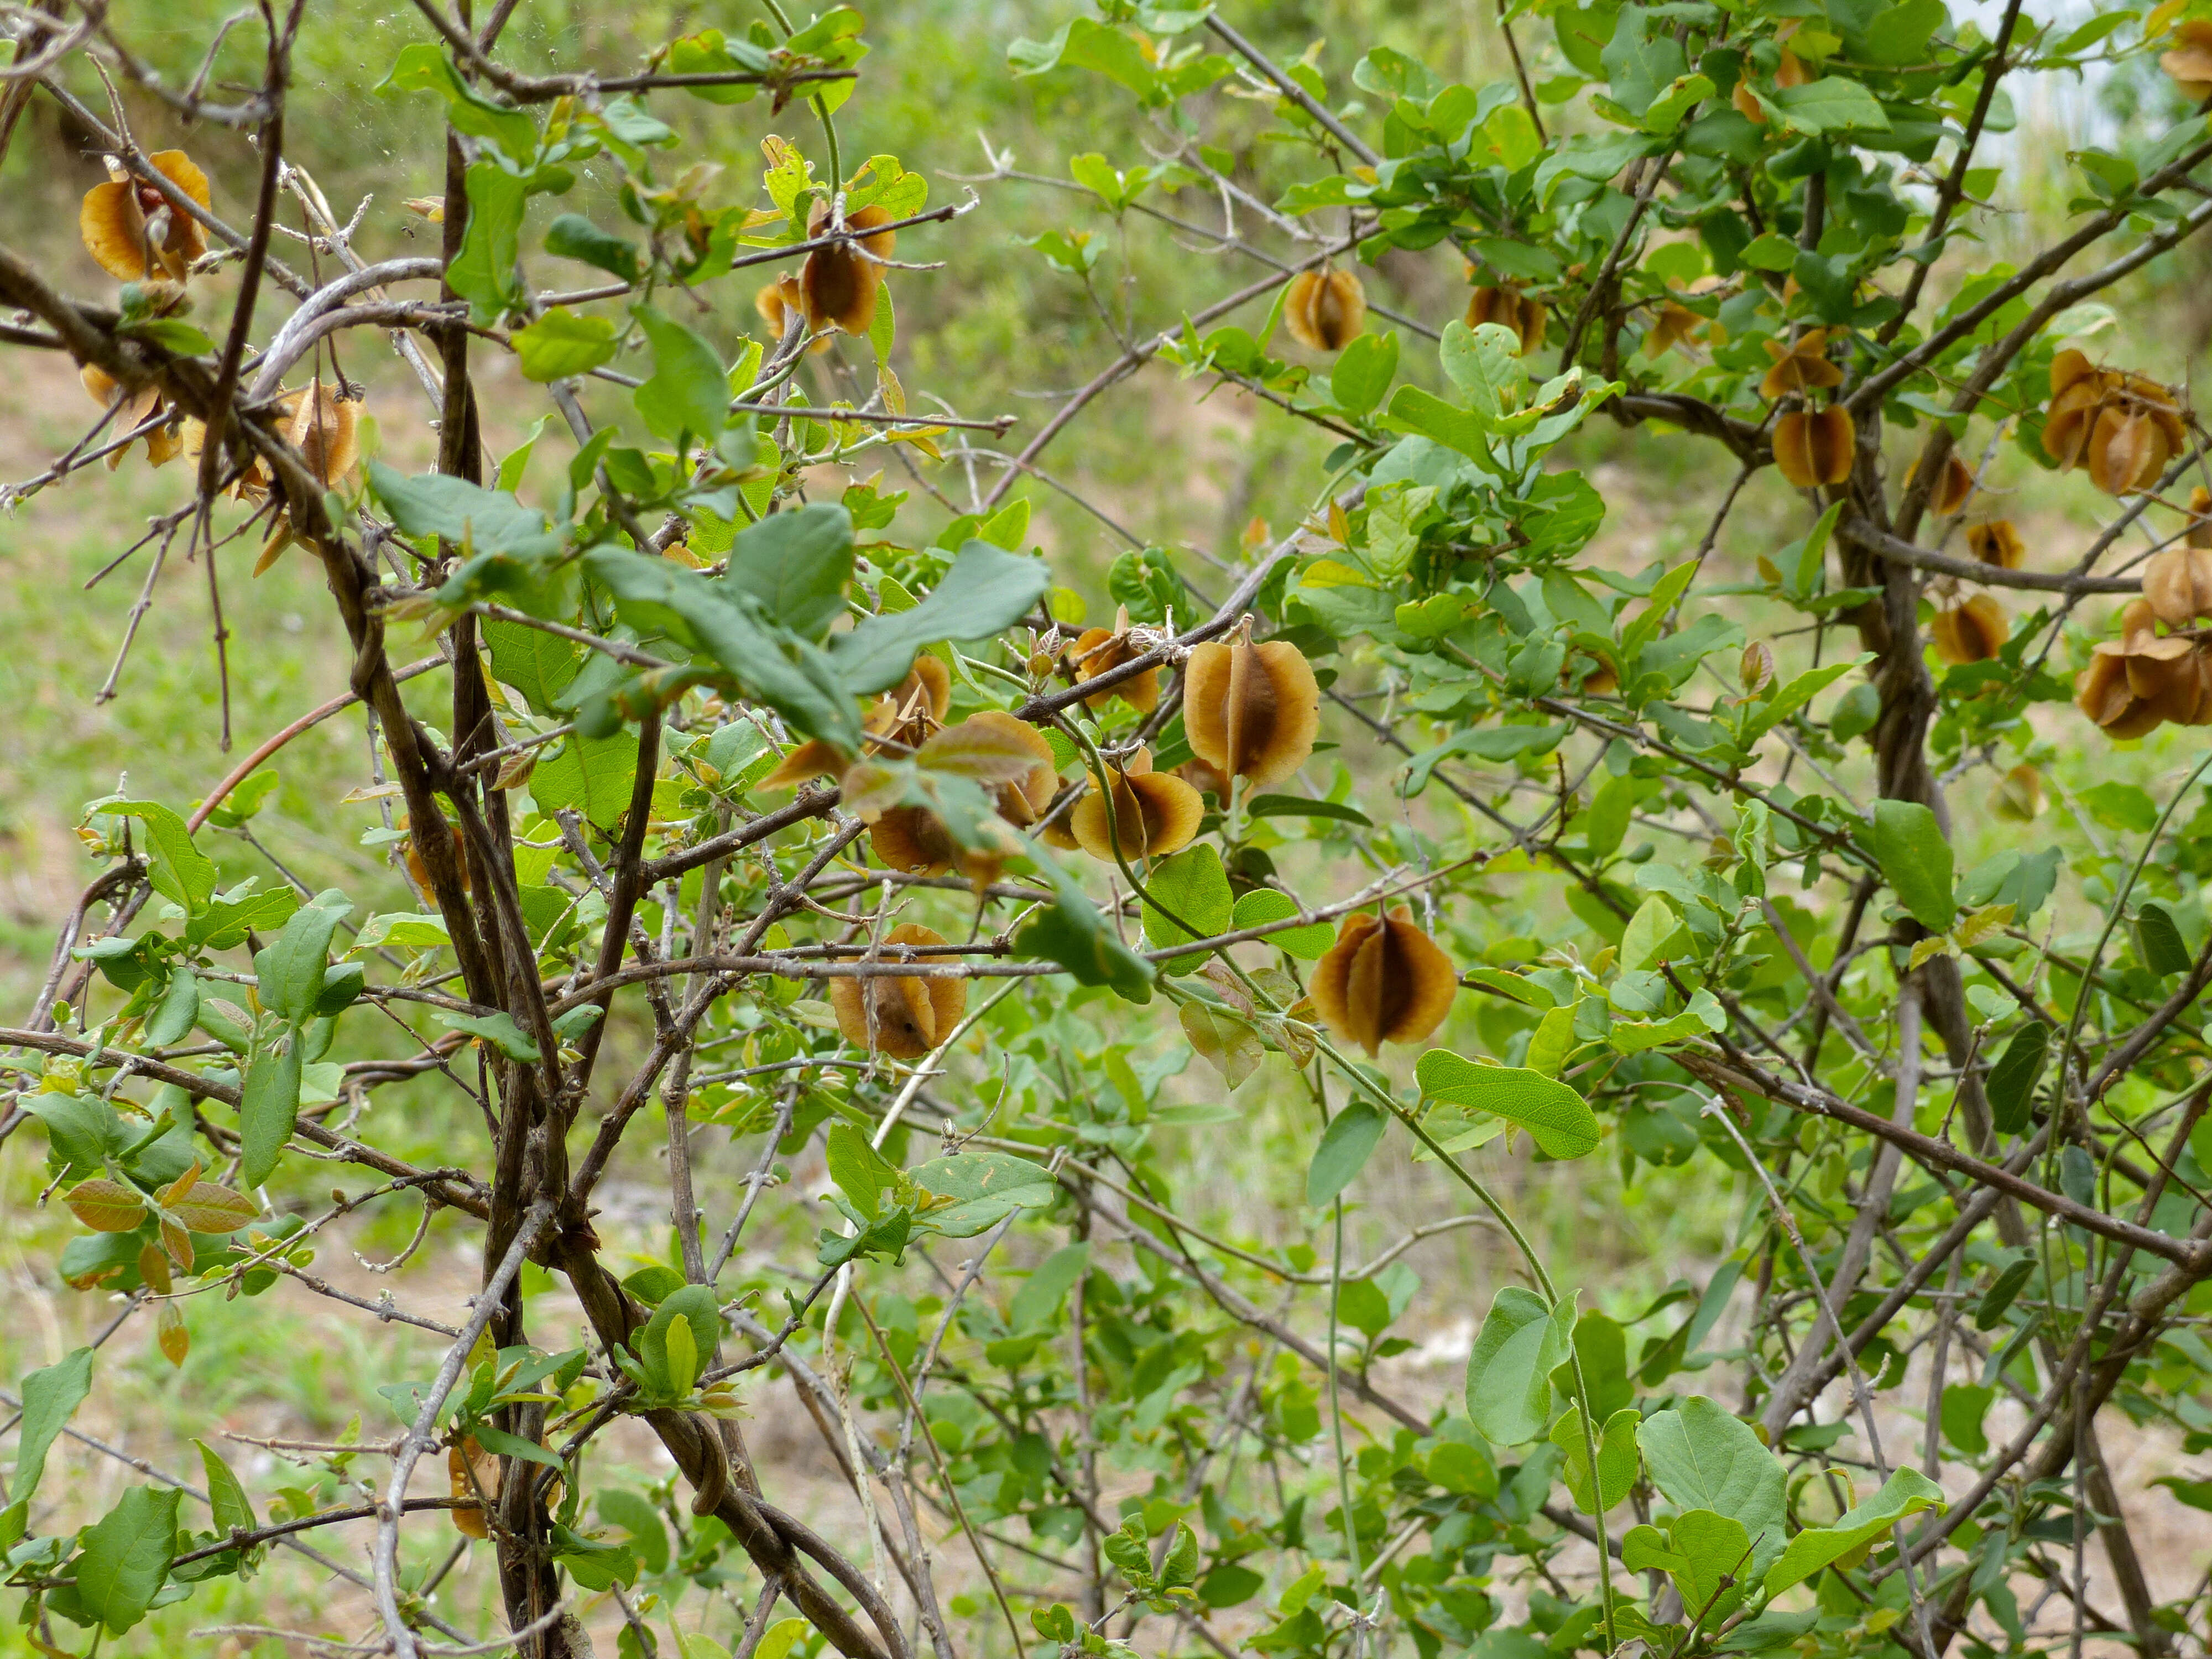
1251	711
2143	679
1813	447
1097	650
903	1015
134	231
837	284
1384	980
1972	632
1154	813
1800	365
2177	580
1324	309
1504	304
1997	542
2124	428
993	748
778	303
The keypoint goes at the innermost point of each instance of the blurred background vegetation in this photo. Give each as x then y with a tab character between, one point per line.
998	329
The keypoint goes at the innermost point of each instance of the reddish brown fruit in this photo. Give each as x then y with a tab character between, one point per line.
1813	447
1973	632
1505	306
837	284
1997	542
1325	309
1097	649
903	1015
134	232
1154	813
1251	711
1384	980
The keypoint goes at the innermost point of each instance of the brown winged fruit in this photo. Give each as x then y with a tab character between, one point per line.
134	231
837	284
1097	649
1384	980
1154	813
903	719
1997	542
778	303
1800	365
1011	758
1813	447
1973	632
1504	305
1251	711
132	410
2125	428
2143	679
1953	490
903	1015
2189	62
1324	310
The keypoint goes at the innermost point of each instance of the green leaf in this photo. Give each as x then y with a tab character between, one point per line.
1427	415
179	872
796	563
1702	1551
51	1395
1916	861
232	1511
500	1031
984	1189
1040	1300
180	1006
1702	1458
1556	1118
1305	806
563	343
1906	1493
1193	885
686	392
770	663
2121	806
2159	941
2012	1080
595	775
1834	103
482	271
500	1444
1509	1375
1363	371
268	1107
123	1559
648	1533
661	1346
1346	1145
424	67
1616	1458
593	1565
537	664
861	1171
1265	904
1072	933
290	971
572	236
455	510
985	591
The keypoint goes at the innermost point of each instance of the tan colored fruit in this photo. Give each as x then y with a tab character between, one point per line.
2189	62
1813	447
1384	980
1504	305
134	232
2143	679
1953	490
837	284
2176	583
1996	541
1800	365
1973	632
1154	813
778	303
1251	711
903	1015
1098	649
1324	310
